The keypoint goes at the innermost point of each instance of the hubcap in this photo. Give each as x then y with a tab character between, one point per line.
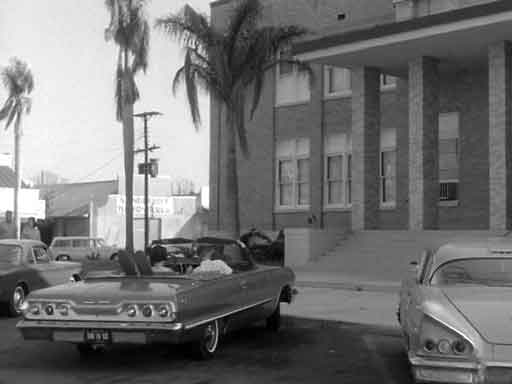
18	297
211	337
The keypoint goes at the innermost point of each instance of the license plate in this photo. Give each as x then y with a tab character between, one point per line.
100	336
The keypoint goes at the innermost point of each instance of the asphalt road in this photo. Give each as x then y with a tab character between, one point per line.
304	351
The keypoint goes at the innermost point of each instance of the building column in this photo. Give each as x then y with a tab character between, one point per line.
365	147
317	148
500	136
423	143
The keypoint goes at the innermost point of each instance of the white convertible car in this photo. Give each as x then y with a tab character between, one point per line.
455	311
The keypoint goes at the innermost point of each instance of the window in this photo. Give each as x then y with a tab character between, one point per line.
387	81
40	255
61	243
388	168
449	157
292	84
337	81
285	68
81	243
338	173
292	161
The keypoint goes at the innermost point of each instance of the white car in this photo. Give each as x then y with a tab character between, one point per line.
79	248
456	314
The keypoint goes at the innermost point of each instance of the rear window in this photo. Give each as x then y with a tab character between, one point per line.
62	243
484	271
10	254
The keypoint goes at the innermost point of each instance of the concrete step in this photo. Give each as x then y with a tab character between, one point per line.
383	255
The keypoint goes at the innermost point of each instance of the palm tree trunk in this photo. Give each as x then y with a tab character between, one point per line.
17	173
128	139
231	211
128	142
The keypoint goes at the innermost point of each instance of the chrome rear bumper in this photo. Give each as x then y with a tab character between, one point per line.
449	371
122	332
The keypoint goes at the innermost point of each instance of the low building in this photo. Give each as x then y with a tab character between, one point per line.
97	209
30	205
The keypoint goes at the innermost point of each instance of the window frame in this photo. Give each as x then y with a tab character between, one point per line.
328	70
382	178
295	183
346	182
458	157
383	85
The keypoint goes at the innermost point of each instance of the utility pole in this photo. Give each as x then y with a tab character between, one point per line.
146	116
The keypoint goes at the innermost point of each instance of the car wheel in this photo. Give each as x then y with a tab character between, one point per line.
273	322
16	299
206	347
87	351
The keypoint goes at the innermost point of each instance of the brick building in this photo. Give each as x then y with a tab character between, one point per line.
406	125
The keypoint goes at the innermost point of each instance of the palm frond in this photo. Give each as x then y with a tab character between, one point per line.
4	112
190	84
17	77
188	27
119	88
140	47
12	115
242	24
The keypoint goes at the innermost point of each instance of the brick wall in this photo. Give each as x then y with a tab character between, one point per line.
465	91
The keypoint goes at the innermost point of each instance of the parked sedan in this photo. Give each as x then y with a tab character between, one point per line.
79	248
165	305
26	265
455	316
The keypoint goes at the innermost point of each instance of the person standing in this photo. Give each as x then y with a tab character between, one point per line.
30	231
8	227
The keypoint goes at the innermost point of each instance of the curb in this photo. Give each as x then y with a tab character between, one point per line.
368	286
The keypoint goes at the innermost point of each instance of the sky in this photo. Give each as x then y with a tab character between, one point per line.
72	130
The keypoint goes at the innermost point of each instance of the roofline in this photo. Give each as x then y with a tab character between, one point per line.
217	3
78	183
383	30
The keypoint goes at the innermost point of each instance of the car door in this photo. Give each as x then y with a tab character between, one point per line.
253	285
52	273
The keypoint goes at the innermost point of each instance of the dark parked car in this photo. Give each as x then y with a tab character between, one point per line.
27	265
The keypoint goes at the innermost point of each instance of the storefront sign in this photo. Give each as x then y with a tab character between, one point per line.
157	206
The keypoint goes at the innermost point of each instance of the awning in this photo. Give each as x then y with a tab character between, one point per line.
459	37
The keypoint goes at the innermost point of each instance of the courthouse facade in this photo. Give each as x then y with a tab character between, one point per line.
407	123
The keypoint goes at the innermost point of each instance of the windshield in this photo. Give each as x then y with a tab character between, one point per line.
485	271
10	253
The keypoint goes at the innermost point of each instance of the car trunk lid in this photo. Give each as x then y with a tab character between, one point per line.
486	308
115	291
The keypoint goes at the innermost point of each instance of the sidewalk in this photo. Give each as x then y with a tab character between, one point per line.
368	308
317	279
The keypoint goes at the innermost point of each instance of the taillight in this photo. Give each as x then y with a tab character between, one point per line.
131	311
63	309
49	310
438	339
163	311
147	311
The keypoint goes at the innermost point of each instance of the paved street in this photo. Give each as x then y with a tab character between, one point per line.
304	351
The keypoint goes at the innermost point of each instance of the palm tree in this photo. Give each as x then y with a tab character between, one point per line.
19	82
129	29
231	65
